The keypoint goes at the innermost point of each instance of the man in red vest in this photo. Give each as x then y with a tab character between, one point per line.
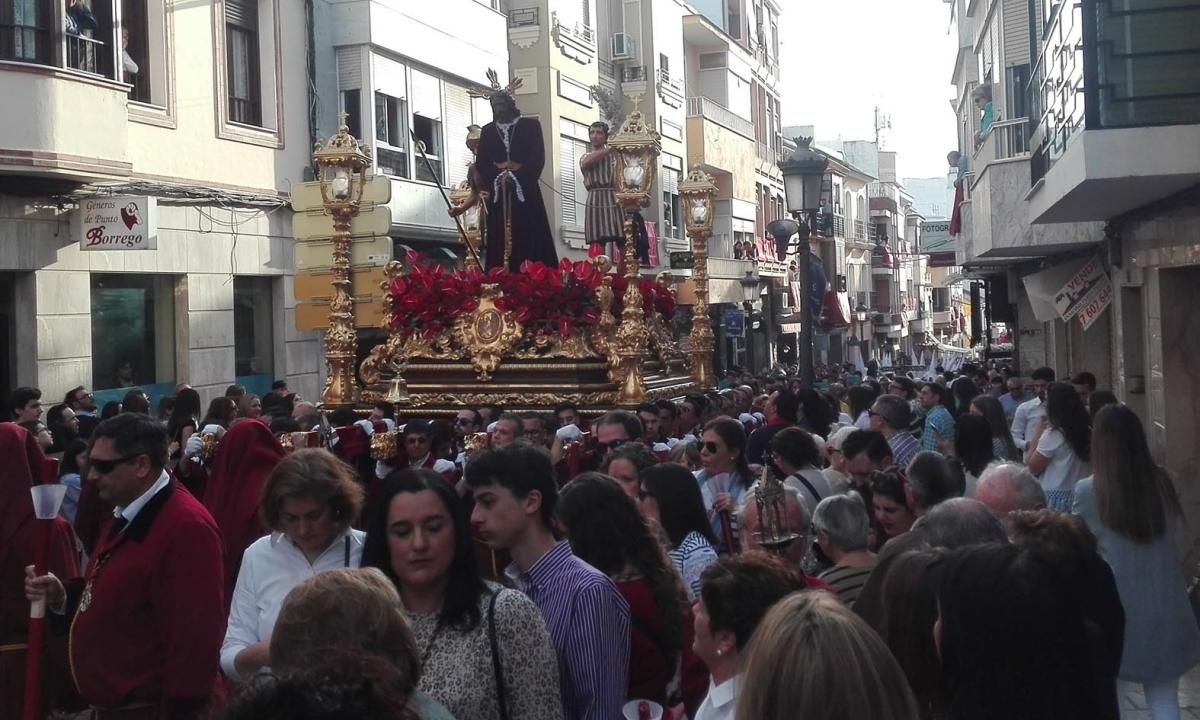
147	621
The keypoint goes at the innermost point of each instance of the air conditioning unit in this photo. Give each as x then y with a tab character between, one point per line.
622	46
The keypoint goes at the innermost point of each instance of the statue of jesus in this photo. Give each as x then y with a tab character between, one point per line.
507	167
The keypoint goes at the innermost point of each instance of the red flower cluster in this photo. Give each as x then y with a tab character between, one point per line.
428	298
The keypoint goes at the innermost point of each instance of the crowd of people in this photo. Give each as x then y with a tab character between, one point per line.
975	545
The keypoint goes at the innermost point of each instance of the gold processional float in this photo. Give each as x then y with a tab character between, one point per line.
533	339
529	340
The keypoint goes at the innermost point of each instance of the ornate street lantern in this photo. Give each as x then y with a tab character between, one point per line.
342	163
697	193
803	174
637	147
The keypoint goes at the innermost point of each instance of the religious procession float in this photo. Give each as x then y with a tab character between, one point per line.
517	326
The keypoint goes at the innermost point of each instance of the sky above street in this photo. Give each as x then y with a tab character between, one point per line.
842	58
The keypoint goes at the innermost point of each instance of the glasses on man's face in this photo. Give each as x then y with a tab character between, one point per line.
611	444
104	467
710	447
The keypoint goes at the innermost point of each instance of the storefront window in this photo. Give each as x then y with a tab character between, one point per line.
253	333
133	335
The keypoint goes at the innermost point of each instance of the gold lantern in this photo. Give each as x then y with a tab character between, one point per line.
636	147
697	193
342	162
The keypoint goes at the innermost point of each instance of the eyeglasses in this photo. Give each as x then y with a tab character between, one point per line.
711	447
612	444
104	467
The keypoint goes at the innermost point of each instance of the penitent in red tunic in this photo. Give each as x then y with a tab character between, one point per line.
150	621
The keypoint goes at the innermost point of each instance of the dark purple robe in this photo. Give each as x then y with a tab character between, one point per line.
531	237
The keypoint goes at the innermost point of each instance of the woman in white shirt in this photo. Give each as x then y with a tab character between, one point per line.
309	502
1060	450
735	593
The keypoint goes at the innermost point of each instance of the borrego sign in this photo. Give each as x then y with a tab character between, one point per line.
119	222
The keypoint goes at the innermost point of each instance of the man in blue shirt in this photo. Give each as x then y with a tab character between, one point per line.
1012	399
939	423
587	617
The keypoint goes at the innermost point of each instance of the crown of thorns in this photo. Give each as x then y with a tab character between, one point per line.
494	78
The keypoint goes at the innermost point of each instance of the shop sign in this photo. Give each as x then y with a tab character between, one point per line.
682	260
118	222
1087	286
1096	302
735	323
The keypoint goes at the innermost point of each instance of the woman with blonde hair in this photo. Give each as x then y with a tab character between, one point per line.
811	657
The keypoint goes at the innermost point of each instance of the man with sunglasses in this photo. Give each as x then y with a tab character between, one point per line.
147	621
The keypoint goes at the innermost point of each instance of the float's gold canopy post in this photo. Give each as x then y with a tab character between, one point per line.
697	193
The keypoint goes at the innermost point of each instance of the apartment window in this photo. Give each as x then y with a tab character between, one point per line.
572	145
672	175
352	106
25	30
243	74
664	66
429	133
391	140
734	16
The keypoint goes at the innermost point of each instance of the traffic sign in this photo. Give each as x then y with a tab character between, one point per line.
314	224
307	195
368	251
317	286
368	313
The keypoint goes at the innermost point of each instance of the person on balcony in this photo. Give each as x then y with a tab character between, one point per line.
79	19
982	97
507	166
602	222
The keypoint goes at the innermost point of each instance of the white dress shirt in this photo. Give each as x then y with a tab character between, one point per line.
271	567
1026	420
130	511
721	701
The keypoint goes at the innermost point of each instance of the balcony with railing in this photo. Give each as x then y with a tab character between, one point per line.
1116	99
575	40
714	111
74	125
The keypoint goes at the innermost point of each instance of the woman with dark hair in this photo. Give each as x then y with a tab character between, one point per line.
221	411
963	390
1098	399
485	649
725	477
607	532
71	472
1003	447
889	506
625	465
992	671
796	458
735	594
910	611
671	498
184	417
816	414
1131	506
973	448
860	398
111	409
1060	449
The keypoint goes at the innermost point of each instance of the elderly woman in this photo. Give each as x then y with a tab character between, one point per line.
309	503
735	593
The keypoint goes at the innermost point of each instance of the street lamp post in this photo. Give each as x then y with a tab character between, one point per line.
636	146
803	173
750	296
697	193
342	162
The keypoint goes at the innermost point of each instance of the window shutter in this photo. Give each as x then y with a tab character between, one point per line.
426	95
349	67
566	181
242	13
389	77
458	117
1016	32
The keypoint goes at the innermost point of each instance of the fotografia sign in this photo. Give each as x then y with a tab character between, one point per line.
118	222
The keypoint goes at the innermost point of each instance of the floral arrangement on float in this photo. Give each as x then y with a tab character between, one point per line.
545	300
566	311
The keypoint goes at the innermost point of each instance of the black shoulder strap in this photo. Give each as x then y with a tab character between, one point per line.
501	692
808	485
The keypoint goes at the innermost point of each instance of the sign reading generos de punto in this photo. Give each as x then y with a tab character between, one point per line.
118	222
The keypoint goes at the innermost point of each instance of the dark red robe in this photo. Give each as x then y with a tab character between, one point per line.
245	458
152	632
19	534
531	236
